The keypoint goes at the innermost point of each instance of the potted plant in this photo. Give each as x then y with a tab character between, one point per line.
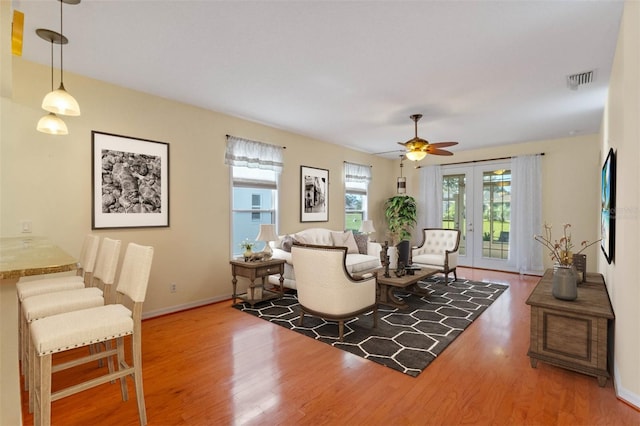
401	213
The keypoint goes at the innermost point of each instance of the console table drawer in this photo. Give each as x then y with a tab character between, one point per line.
269	270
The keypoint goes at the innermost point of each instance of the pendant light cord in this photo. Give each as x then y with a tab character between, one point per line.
52	64
61	44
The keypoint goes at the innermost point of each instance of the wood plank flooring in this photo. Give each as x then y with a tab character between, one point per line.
217	366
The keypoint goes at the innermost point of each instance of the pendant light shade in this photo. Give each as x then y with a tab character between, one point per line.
52	125
61	102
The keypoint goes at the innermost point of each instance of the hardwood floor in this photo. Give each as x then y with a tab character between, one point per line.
217	365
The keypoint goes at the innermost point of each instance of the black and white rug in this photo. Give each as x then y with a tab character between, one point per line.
406	340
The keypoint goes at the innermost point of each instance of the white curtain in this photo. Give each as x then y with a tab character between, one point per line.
246	153
357	173
525	254
430	200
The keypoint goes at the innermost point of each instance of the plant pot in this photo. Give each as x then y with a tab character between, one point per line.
564	282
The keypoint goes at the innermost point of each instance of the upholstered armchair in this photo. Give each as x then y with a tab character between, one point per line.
327	290
439	249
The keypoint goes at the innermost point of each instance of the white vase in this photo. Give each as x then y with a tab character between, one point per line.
392	252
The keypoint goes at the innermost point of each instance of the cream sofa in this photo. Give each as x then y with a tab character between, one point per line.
355	260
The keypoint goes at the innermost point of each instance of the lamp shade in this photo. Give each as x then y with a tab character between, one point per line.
52	124
367	227
416	155
61	102
267	233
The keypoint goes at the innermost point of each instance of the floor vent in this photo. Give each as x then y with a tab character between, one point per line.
576	80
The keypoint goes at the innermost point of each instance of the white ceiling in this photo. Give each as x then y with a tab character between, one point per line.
483	73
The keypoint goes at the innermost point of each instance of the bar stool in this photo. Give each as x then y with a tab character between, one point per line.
44	305
75	329
82	279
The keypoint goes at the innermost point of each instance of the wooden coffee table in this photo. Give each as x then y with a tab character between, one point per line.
408	283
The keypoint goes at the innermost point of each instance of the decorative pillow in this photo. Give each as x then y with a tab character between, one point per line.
287	242
362	241
345	239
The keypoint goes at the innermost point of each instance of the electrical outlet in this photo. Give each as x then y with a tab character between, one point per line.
173	287
25	226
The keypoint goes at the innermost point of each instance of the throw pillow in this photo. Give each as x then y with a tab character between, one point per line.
345	239
287	242
361	241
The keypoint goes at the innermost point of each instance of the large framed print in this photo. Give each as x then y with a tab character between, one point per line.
314	194
608	203
130	182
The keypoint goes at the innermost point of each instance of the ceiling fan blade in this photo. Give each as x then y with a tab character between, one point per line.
437	151
443	144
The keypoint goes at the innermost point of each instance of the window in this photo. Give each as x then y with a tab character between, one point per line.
356	186
255	170
255	195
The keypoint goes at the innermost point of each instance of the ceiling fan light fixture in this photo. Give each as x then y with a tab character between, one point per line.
416	155
52	125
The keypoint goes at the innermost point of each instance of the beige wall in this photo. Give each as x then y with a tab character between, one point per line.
621	131
47	179
570	184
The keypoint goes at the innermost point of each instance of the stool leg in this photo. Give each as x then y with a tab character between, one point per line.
121	361
42	414
137	365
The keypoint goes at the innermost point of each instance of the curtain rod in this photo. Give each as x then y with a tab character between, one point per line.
479	161
230	136
358	164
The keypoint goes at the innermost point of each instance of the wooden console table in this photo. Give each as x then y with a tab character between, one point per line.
572	334
252	271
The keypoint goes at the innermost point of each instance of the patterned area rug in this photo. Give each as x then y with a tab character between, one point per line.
406	340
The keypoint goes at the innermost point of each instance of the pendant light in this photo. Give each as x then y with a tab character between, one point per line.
59	101
51	123
401	185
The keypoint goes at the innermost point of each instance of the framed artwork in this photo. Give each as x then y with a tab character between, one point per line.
608	211
314	194
130	182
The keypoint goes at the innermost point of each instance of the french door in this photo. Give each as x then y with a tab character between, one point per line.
476	199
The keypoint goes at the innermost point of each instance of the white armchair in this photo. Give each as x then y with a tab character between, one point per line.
439	249
327	290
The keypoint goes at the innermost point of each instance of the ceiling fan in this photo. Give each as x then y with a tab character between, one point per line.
418	148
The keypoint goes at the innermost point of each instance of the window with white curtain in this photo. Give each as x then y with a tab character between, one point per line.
356	187
255	171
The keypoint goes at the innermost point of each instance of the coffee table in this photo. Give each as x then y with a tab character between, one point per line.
408	283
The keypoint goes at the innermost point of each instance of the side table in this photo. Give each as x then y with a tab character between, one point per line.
252	271
572	334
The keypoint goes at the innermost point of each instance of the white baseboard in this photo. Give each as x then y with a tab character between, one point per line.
183	307
622	393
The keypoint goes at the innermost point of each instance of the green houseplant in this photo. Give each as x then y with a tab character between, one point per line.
401	213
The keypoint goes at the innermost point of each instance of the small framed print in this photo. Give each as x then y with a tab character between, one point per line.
130	182
314	194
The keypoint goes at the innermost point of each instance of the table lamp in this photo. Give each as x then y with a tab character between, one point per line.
267	233
367	227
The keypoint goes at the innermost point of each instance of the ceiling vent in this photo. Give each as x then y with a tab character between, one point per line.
576	80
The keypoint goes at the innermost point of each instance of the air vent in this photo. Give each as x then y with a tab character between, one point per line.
576	80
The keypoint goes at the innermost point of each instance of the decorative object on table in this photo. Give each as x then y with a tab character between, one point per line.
608	204
565	277
130	182
314	194
267	234
400	271
384	258
580	262
414	344
247	246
